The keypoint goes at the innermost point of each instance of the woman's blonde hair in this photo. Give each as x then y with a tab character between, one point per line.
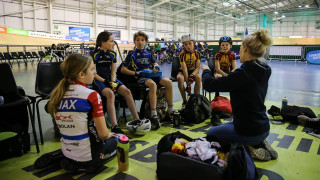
258	42
71	67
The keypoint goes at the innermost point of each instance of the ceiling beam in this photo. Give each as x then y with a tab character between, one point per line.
191	7
157	4
249	5
107	4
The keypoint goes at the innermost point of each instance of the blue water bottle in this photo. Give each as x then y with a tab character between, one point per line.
284	102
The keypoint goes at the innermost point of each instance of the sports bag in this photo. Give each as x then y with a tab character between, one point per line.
291	113
197	109
174	166
161	104
221	104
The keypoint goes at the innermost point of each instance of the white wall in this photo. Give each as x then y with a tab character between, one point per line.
78	13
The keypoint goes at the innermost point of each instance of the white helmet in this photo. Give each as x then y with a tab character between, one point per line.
139	127
187	37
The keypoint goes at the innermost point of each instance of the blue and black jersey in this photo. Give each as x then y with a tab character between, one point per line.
103	61
138	60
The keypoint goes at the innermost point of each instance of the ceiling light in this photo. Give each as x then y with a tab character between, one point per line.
299	6
283	16
276	12
251	10
307	6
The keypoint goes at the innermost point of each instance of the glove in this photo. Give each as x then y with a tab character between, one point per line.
191	78
138	74
114	85
107	83
157	67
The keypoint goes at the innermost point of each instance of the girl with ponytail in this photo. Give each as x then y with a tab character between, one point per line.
78	112
105	59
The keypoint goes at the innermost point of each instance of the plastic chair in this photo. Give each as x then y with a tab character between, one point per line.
13	101
2	58
23	57
48	77
8	57
212	69
175	69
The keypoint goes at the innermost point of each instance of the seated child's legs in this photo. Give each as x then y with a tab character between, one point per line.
108	93
152	92
167	83
126	93
197	85
181	87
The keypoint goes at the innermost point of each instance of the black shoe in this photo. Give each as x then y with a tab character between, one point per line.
215	120
168	117
116	129
49	158
155	122
73	167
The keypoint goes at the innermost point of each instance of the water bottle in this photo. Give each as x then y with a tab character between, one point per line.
176	118
1	100
284	102
123	153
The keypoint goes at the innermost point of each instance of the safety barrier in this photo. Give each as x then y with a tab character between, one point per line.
286	53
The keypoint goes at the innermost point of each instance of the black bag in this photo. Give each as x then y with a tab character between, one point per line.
197	109
174	166
291	113
15	146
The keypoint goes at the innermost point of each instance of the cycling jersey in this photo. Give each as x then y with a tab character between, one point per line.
79	136
225	59
103	61
190	58
138	60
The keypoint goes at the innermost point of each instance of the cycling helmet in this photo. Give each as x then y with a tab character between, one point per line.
139	127
225	39
187	37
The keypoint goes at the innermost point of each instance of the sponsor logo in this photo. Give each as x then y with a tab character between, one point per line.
66	126
68	104
61	117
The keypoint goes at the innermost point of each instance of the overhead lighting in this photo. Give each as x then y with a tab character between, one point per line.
299	6
276	12
251	10
307	6
283	16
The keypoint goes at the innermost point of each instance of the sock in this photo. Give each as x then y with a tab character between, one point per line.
153	112
170	109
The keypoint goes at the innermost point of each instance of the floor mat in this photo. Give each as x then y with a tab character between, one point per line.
299	155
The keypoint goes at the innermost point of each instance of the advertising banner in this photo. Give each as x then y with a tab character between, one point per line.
313	57
17	31
3	30
116	34
46	35
78	34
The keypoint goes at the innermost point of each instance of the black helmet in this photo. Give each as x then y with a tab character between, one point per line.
225	39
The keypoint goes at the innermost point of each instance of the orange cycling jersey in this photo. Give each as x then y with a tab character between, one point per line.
190	58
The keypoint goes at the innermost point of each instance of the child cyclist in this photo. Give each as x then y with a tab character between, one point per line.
225	59
78	112
190	65
105	61
139	60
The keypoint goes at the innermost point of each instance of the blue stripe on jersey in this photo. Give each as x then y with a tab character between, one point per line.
78	137
74	105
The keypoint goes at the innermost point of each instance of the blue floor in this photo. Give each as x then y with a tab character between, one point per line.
298	81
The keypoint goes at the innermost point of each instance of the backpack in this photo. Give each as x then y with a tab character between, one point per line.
221	104
291	113
174	166
197	109
161	104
